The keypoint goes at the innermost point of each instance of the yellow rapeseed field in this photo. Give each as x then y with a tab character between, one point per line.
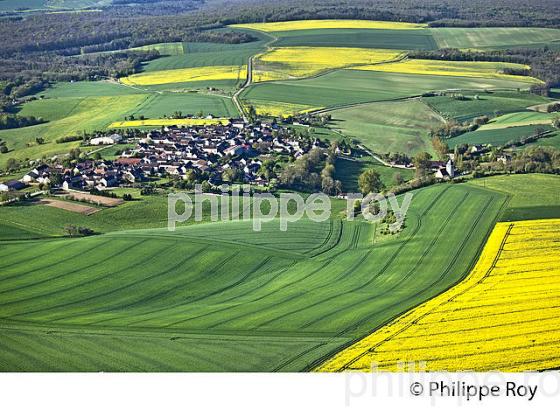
168	121
280	109
326	24
482	69
300	62
504	316
183	75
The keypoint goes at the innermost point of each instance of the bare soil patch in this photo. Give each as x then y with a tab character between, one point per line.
69	206
95	199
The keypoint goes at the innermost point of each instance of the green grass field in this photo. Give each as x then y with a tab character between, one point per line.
498	136
518	119
400	126
70	116
72	108
42	221
53	5
164	49
159	105
368	38
203	54
495	37
551	141
479	104
348	171
219	297
345	87
532	196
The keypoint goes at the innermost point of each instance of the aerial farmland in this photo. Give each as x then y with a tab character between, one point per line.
98	133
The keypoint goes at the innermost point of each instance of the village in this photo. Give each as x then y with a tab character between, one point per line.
222	153
233	152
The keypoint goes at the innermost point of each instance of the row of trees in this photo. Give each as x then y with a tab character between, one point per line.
528	160
329	184
8	121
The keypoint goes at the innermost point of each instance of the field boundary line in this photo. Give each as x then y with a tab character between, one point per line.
249	80
411	317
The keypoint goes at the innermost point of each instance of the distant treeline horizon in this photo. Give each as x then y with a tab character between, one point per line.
36	48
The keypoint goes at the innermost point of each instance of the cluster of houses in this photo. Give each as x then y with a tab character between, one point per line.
176	152
85	175
215	149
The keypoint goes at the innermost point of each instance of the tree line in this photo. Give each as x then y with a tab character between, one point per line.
542	60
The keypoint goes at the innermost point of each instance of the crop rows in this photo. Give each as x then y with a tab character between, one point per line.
504	316
328	282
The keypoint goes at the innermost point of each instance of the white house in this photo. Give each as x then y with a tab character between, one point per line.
107	140
30	177
447	172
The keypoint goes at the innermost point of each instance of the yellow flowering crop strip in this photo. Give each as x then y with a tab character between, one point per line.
504	316
280	109
329	24
300	62
168	122
184	75
477	69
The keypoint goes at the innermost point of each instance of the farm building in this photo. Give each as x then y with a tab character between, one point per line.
12	186
106	140
39	174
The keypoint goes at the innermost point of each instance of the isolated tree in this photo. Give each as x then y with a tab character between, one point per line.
338	187
370	181
231	175
252	113
190	176
71	230
422	162
398	178
328	171
327	185
12	164
440	147
74	153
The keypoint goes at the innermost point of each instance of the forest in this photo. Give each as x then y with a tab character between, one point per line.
47	47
